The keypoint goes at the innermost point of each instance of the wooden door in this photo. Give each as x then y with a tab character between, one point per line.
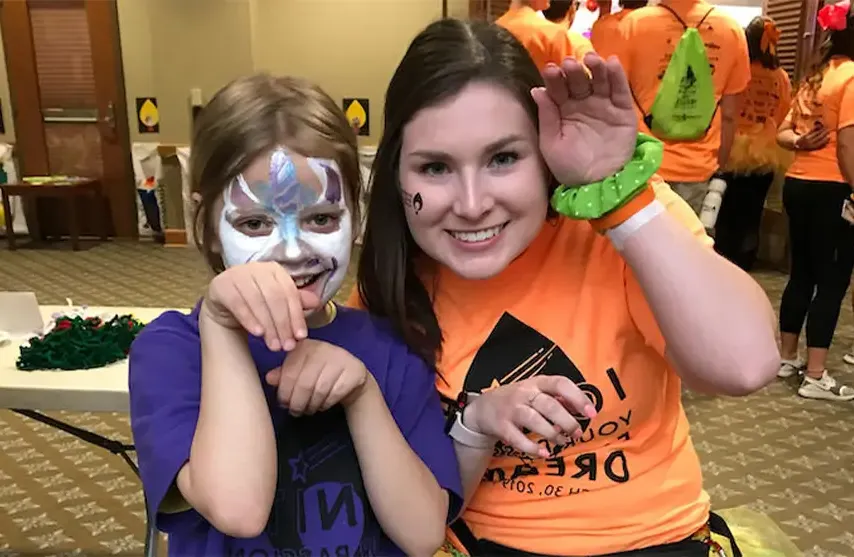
65	77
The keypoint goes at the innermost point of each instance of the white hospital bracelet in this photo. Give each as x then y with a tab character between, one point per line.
623	231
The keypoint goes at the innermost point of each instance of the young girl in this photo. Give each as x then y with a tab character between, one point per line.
755	158
338	448
820	131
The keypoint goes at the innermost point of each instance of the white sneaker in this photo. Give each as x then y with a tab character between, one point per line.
825	388
848	358
790	368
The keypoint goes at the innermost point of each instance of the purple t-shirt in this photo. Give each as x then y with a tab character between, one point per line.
321	506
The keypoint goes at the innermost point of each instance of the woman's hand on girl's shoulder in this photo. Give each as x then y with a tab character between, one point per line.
545	405
316	376
262	299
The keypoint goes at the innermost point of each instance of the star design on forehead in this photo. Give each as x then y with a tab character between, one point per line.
290	195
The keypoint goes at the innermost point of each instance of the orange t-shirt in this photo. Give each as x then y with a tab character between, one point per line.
648	37
545	41
764	106
606	32
833	105
634	479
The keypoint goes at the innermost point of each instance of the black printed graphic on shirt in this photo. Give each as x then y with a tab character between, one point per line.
321	507
515	351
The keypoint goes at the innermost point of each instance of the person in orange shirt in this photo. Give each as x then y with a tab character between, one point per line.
545	41
648	37
820	130
606	30
562	342
563	13
755	158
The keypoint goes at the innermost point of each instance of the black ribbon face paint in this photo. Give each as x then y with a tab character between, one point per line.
417	203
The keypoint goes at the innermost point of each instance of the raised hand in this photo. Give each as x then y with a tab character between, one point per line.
316	376
588	124
262	299
543	405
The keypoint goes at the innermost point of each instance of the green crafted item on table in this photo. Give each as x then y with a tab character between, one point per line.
80	343
596	200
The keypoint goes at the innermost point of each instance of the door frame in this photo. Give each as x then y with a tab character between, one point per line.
31	148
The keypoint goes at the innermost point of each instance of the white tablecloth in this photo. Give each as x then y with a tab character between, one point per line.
93	390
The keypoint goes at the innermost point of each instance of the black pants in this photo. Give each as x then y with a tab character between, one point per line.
822	245
737	228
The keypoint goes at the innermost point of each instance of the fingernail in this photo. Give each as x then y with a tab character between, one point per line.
275	345
576	435
590	411
301	333
290	344
544	453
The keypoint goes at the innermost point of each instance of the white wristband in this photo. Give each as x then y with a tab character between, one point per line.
623	231
464	436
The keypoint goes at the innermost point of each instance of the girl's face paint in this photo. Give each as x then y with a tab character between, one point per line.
291	211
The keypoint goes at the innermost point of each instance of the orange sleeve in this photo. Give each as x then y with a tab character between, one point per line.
621	37
846	106
739	76
597	32
354	300
785	98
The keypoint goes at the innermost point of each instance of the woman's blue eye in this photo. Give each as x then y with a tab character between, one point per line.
434	168
504	159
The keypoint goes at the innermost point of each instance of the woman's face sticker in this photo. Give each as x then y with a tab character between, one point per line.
289	209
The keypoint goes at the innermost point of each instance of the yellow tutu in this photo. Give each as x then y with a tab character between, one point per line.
753	154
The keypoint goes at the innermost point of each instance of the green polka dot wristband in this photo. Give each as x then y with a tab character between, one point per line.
596	200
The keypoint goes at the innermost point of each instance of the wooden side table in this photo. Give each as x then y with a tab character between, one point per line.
71	189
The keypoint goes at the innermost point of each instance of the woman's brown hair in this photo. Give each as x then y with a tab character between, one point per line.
836	43
441	61
250	117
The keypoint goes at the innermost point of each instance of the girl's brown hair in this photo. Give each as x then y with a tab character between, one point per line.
250	117
836	43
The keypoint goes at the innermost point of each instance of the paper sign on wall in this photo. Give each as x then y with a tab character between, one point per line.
358	113
148	116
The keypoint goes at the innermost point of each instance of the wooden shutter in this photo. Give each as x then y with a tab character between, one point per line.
489	10
63	54
789	17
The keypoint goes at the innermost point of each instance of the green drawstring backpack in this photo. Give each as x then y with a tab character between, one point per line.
685	103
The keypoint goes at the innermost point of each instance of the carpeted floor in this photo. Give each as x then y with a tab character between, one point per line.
788	457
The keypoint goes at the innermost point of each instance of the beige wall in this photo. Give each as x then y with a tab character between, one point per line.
349	47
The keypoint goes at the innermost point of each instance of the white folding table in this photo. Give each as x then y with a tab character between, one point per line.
104	389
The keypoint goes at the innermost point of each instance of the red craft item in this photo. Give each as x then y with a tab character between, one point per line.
834	17
592	5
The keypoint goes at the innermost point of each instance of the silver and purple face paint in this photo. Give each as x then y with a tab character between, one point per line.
297	217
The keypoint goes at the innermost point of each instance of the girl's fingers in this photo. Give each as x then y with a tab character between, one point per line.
242	312
254	294
296	316
305	375
277	299
322	389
